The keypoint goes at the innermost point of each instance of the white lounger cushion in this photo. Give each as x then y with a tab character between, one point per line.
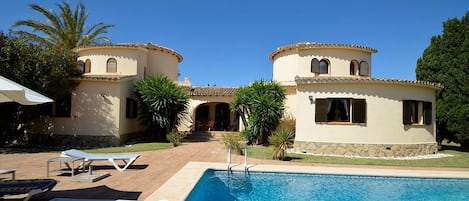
128	159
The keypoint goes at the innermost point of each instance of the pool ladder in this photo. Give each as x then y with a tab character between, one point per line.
245	160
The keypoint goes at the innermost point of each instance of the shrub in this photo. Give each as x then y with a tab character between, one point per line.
288	121
233	140
281	140
175	137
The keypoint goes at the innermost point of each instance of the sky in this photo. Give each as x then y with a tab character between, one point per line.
228	42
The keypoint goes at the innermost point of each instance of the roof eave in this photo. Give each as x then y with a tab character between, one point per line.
332	80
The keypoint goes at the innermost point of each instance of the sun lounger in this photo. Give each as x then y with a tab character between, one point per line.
128	159
32	187
8	171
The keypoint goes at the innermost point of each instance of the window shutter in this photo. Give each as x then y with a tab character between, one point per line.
111	65
427	113
87	66
321	110
315	66
323	66
352	68
364	68
359	111
406	112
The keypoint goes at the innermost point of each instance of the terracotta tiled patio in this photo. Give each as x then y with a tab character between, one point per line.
148	173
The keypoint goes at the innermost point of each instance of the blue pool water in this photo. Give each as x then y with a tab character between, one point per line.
219	185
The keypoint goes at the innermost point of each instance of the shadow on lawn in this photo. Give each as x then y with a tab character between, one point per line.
289	158
454	148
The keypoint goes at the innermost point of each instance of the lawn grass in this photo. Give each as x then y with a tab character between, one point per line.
139	147
460	159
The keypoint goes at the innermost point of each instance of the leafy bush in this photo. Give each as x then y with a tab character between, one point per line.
175	137
233	140
281	140
164	104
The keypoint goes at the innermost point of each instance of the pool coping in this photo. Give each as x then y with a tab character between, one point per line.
179	186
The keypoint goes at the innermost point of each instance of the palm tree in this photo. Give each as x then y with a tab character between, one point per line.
65	30
263	105
163	104
240	104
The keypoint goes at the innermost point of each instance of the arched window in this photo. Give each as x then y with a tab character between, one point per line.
353	67
87	66
111	65
323	66
81	66
320	67
315	65
364	68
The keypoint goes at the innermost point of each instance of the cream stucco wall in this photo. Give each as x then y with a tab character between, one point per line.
290	101
285	68
127	59
138	61
289	64
94	112
161	62
384	114
127	125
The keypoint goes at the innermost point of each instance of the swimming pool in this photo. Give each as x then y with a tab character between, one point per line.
219	185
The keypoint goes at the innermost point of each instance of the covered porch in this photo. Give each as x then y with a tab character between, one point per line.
215	116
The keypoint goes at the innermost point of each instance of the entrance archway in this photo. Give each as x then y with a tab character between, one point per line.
215	116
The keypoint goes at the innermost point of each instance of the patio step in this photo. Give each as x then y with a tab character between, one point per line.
199	137
205	136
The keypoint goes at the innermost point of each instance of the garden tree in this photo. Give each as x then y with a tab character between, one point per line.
446	61
262	103
42	59
163	105
65	30
240	104
39	68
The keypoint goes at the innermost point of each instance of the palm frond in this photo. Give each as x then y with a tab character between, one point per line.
34	38
66	29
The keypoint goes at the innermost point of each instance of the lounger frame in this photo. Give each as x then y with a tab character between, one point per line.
128	159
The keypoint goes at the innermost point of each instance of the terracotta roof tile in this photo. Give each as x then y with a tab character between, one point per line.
106	77
309	45
356	79
212	91
150	46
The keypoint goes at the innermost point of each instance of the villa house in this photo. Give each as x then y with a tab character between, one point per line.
341	110
102	110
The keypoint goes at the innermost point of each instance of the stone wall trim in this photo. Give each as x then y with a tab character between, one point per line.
365	150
